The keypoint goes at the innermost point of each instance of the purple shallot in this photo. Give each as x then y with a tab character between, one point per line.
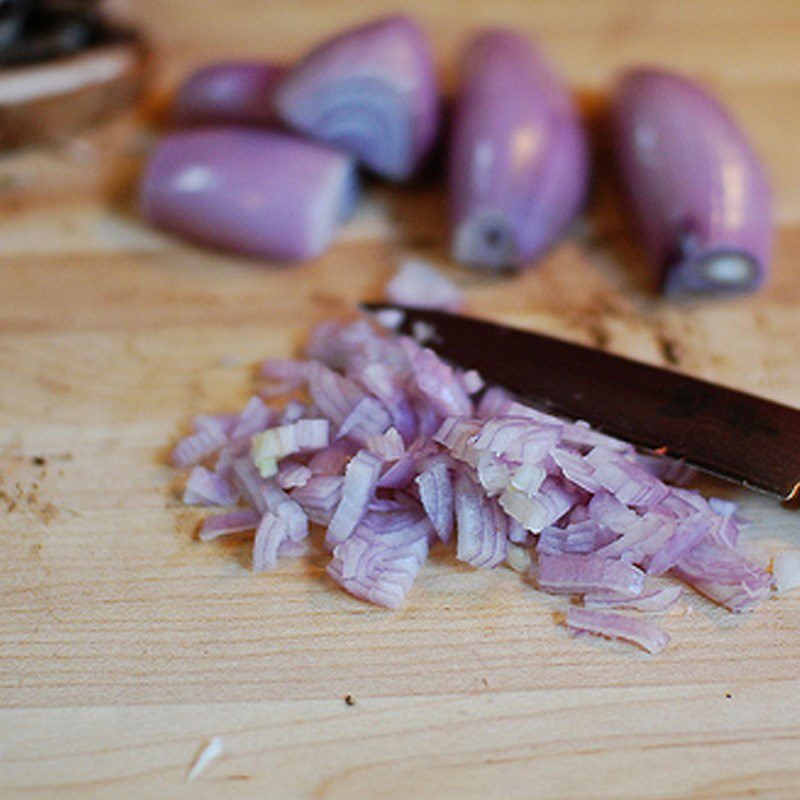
393	456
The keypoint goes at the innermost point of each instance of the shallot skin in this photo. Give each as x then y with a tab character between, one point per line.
371	91
255	192
697	192
518	166
229	93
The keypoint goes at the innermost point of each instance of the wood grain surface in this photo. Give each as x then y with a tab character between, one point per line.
125	645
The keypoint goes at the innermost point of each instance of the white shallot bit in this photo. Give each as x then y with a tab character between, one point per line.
210	753
786	571
419	284
518	558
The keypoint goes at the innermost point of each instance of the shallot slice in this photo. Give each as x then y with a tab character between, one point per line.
370	91
256	192
645	634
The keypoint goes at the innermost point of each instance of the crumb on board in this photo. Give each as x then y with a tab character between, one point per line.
8	499
47	513
210	753
670	349
39	461
327	299
349	700
598	334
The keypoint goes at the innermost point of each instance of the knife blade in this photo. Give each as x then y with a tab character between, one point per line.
734	435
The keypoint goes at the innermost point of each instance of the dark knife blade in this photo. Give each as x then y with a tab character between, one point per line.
735	435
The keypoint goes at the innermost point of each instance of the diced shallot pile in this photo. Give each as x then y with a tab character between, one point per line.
392	450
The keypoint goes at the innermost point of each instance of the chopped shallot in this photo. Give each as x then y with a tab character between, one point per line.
436	494
482	527
224	524
206	488
285	440
578	574
387	446
360	480
292	475
199	445
786	571
272	532
391	452
653	600
643	633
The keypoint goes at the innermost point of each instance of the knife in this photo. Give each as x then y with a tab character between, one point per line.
738	436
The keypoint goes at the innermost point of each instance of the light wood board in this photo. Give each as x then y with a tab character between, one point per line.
125	644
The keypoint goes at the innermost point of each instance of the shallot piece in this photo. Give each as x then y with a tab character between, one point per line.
698	193
239	521
206	488
653	600
393	455
370	91
285	440
583	574
199	445
645	634
256	192
786	571
360	480
518	167
419	284
229	93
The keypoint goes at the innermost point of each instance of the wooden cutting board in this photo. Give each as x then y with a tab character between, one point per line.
125	644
